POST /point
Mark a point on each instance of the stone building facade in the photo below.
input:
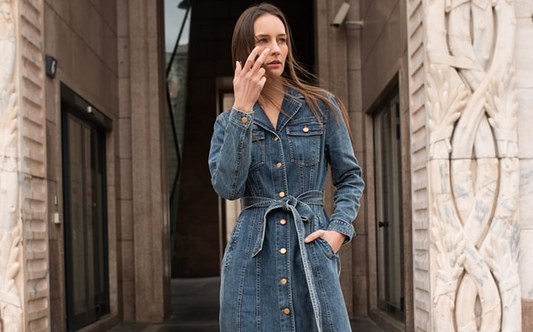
(440, 98)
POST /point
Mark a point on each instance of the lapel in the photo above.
(292, 102)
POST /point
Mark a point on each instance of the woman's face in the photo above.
(269, 32)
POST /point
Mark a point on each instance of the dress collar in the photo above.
(292, 102)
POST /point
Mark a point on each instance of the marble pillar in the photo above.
(24, 280)
(465, 143)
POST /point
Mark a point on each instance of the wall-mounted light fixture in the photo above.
(340, 17)
(51, 66)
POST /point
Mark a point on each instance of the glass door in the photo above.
(85, 232)
(389, 228)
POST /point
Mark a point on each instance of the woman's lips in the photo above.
(274, 64)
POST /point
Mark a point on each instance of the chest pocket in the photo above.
(304, 142)
(258, 149)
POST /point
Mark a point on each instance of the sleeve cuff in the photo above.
(343, 228)
(241, 119)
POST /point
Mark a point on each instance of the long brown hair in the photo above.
(294, 75)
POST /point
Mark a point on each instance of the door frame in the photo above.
(73, 104)
(399, 82)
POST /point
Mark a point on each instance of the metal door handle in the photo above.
(383, 224)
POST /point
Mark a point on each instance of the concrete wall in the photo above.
(82, 36)
(382, 66)
(111, 54)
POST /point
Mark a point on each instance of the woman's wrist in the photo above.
(243, 108)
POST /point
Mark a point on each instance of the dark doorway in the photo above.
(388, 186)
(85, 211)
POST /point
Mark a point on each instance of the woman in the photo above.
(281, 266)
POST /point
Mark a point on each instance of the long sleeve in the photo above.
(346, 175)
(230, 153)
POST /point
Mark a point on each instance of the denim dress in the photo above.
(271, 281)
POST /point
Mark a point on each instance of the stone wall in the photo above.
(418, 141)
(24, 279)
(524, 86)
(469, 82)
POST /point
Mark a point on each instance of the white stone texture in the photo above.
(24, 289)
(470, 137)
(524, 64)
(10, 227)
(419, 155)
(526, 223)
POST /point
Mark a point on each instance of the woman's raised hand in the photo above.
(249, 80)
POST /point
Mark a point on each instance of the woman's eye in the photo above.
(262, 41)
(282, 40)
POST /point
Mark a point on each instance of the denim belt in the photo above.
(301, 211)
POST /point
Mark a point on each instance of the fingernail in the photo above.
(256, 48)
(267, 50)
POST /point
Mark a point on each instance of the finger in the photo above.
(251, 59)
(262, 82)
(313, 236)
(238, 68)
(260, 73)
(259, 62)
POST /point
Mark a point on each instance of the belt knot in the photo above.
(301, 211)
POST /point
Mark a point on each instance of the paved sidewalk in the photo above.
(195, 309)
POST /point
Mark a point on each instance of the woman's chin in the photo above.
(274, 74)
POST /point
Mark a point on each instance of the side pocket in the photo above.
(230, 246)
(324, 245)
(326, 248)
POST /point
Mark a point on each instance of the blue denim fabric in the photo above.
(271, 279)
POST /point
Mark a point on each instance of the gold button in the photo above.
(306, 129)
(281, 194)
(275, 138)
(283, 221)
(286, 311)
(244, 119)
(283, 281)
(283, 251)
(278, 165)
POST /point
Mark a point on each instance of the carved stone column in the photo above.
(24, 289)
(465, 143)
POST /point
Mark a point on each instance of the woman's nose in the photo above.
(274, 47)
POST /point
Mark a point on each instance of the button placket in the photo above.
(283, 260)
(283, 231)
